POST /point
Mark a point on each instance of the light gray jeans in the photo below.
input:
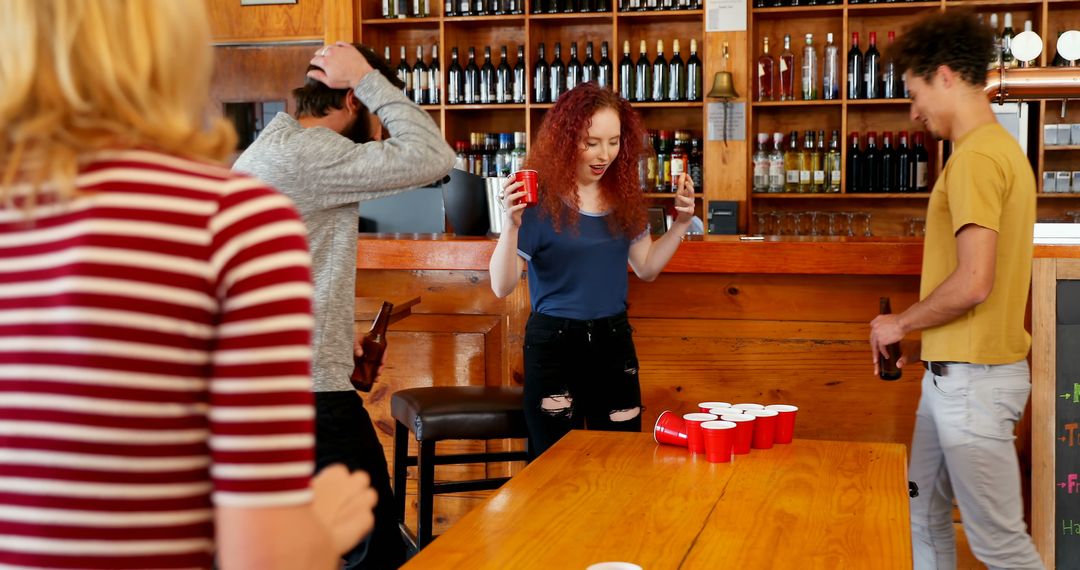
(963, 448)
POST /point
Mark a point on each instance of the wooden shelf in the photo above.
(667, 104)
(1049, 148)
(840, 196)
(798, 103)
(672, 195)
(877, 102)
(660, 13)
(400, 21)
(1058, 194)
(893, 6)
(573, 16)
(486, 107)
(498, 19)
(788, 10)
(1000, 4)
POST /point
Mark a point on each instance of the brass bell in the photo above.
(723, 86)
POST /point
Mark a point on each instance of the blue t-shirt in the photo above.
(575, 275)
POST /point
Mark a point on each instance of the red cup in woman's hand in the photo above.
(531, 185)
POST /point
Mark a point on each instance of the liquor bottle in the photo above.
(464, 8)
(787, 71)
(504, 79)
(1007, 58)
(389, 8)
(761, 164)
(809, 70)
(659, 74)
(663, 161)
(792, 163)
(455, 80)
(676, 75)
(366, 367)
(517, 156)
(403, 7)
(806, 173)
(830, 70)
(626, 73)
(995, 51)
(922, 165)
(503, 155)
(905, 171)
(541, 78)
(386, 55)
(558, 74)
(832, 164)
(872, 174)
(766, 73)
(647, 164)
(586, 6)
(434, 78)
(888, 164)
(680, 163)
(472, 79)
(694, 74)
(817, 163)
(540, 6)
(776, 164)
(603, 5)
(513, 7)
(480, 8)
(404, 73)
(487, 155)
(420, 79)
(487, 79)
(589, 68)
(605, 69)
(643, 75)
(461, 149)
(856, 166)
(573, 68)
(855, 67)
(887, 368)
(873, 69)
(697, 157)
(890, 79)
(518, 77)
(567, 6)
(421, 8)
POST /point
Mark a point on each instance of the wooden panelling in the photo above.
(231, 22)
(258, 74)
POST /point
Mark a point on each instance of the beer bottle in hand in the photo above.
(887, 368)
(366, 367)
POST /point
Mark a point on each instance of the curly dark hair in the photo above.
(315, 99)
(955, 38)
(557, 149)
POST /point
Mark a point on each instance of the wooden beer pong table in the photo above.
(603, 496)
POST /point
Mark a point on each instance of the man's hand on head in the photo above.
(341, 66)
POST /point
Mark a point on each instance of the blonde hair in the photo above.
(78, 76)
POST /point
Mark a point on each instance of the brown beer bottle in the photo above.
(366, 367)
(888, 370)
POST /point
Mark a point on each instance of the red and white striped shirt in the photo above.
(154, 364)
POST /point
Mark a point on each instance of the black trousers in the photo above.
(577, 373)
(344, 434)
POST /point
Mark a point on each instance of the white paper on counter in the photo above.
(725, 15)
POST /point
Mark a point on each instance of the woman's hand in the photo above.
(512, 192)
(684, 199)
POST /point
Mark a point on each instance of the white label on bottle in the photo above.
(804, 177)
(819, 177)
(835, 177)
(922, 176)
(783, 65)
(776, 173)
(793, 176)
(761, 170)
(678, 166)
(760, 70)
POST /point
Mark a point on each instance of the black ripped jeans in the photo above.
(588, 368)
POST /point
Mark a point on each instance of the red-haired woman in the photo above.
(581, 370)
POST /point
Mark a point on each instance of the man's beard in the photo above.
(359, 132)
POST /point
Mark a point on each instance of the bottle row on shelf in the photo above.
(652, 5)
(902, 168)
(1001, 54)
(809, 168)
(491, 154)
(396, 9)
(668, 154)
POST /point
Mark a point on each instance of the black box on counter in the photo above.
(723, 217)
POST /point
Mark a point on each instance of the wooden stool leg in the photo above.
(425, 517)
(401, 455)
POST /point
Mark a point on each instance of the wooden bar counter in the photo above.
(777, 320)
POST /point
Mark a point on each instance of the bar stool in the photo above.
(450, 412)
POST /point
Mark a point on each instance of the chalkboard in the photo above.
(1067, 423)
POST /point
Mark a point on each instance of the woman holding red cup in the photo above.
(581, 369)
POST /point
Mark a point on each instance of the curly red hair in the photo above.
(558, 147)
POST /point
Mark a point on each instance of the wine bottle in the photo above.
(832, 165)
(792, 163)
(905, 170)
(604, 69)
(519, 77)
(776, 164)
(504, 79)
(558, 74)
(472, 79)
(420, 79)
(887, 368)
(697, 159)
(888, 164)
(573, 68)
(806, 168)
(589, 68)
(626, 74)
(676, 75)
(659, 74)
(404, 73)
(787, 71)
(817, 163)
(434, 77)
(366, 367)
(855, 69)
(872, 174)
(541, 78)
(766, 73)
(856, 166)
(890, 80)
(1007, 58)
(643, 75)
(487, 79)
(873, 69)
(455, 80)
(922, 165)
(694, 72)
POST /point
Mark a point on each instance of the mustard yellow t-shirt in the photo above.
(988, 182)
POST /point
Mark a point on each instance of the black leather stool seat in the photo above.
(460, 412)
(450, 412)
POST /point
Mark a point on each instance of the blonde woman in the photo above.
(155, 397)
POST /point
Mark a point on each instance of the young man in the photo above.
(325, 161)
(975, 278)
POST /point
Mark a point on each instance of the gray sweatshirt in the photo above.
(327, 175)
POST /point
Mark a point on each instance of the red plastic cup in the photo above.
(695, 441)
(764, 428)
(748, 407)
(704, 407)
(744, 432)
(670, 429)
(719, 437)
(531, 186)
(785, 422)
